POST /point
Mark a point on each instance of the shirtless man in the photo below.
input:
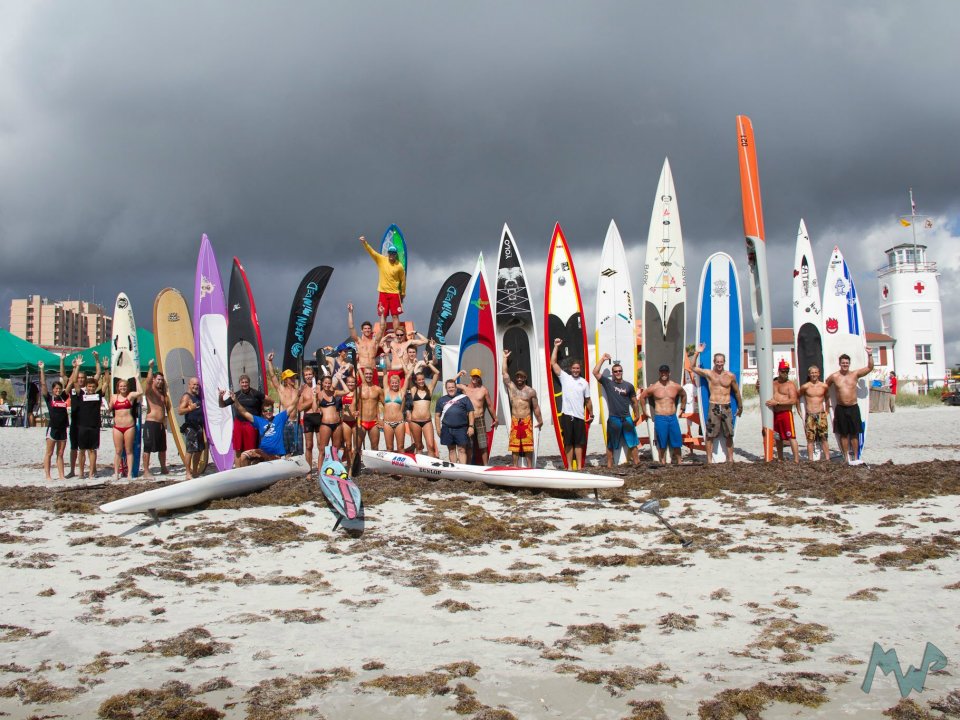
(371, 410)
(290, 395)
(786, 399)
(400, 347)
(368, 344)
(816, 408)
(719, 415)
(392, 283)
(480, 397)
(667, 398)
(523, 405)
(847, 423)
(155, 424)
(312, 417)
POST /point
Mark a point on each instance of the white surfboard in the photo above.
(720, 328)
(216, 376)
(664, 291)
(383, 461)
(125, 365)
(228, 483)
(844, 332)
(807, 308)
(616, 329)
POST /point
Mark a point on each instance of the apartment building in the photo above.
(59, 324)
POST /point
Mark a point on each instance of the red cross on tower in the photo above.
(918, 287)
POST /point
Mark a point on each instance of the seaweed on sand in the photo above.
(750, 702)
(271, 699)
(192, 644)
(39, 691)
(621, 679)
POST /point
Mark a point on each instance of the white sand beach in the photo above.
(483, 603)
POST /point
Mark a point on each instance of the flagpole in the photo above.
(913, 227)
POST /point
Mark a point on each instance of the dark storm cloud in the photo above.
(285, 130)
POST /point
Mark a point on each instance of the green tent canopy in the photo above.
(87, 363)
(19, 357)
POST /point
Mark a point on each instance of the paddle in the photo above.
(357, 439)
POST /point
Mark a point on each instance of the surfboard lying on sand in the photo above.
(228, 483)
(720, 328)
(383, 461)
(478, 341)
(807, 315)
(125, 365)
(341, 492)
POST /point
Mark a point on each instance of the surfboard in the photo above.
(478, 341)
(516, 328)
(383, 461)
(394, 237)
(807, 315)
(341, 492)
(125, 365)
(210, 346)
(174, 343)
(244, 346)
(759, 281)
(845, 333)
(224, 484)
(720, 328)
(616, 329)
(664, 292)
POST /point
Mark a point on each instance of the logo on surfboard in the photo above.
(206, 287)
(833, 325)
(720, 289)
(480, 304)
(841, 288)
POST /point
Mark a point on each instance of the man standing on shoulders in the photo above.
(368, 344)
(721, 384)
(621, 398)
(392, 284)
(194, 440)
(576, 407)
(816, 406)
(523, 405)
(666, 399)
(847, 422)
(480, 398)
(785, 400)
(454, 422)
(155, 424)
(244, 432)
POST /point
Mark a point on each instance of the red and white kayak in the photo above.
(426, 466)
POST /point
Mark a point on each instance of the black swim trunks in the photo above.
(154, 437)
(847, 421)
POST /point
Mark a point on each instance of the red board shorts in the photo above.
(783, 425)
(389, 304)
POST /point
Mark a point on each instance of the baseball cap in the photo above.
(287, 374)
(476, 371)
(664, 368)
(784, 365)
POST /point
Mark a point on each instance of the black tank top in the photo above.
(195, 417)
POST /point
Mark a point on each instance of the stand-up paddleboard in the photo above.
(125, 365)
(478, 342)
(616, 331)
(845, 333)
(445, 308)
(759, 283)
(341, 492)
(174, 343)
(244, 346)
(393, 237)
(516, 329)
(383, 461)
(229, 483)
(210, 331)
(563, 318)
(807, 316)
(303, 311)
(664, 292)
(720, 328)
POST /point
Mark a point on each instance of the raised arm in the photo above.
(98, 372)
(505, 370)
(43, 381)
(694, 368)
(862, 372)
(554, 365)
(73, 375)
(240, 409)
(350, 327)
(272, 374)
(186, 404)
(596, 368)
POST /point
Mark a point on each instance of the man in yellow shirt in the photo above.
(392, 283)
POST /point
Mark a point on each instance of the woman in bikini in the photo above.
(393, 424)
(328, 403)
(419, 419)
(124, 426)
(348, 415)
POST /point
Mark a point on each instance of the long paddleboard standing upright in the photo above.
(807, 315)
(210, 330)
(845, 333)
(125, 365)
(244, 346)
(517, 330)
(616, 330)
(445, 308)
(759, 283)
(174, 343)
(664, 292)
(720, 328)
(303, 311)
(478, 343)
(563, 318)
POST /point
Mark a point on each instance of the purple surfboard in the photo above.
(210, 338)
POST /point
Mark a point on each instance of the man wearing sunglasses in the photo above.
(621, 397)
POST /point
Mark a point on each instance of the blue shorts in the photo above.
(621, 428)
(454, 436)
(667, 430)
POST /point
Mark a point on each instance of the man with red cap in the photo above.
(786, 399)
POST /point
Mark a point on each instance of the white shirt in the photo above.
(575, 393)
(691, 392)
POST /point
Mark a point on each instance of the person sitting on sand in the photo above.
(155, 423)
(123, 404)
(621, 397)
(58, 421)
(816, 408)
(785, 400)
(666, 398)
(719, 416)
(194, 440)
(454, 422)
(577, 409)
(847, 423)
(391, 284)
(269, 427)
(524, 406)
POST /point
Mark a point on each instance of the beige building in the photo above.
(67, 324)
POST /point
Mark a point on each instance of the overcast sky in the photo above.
(284, 130)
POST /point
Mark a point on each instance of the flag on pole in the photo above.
(905, 223)
(928, 224)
